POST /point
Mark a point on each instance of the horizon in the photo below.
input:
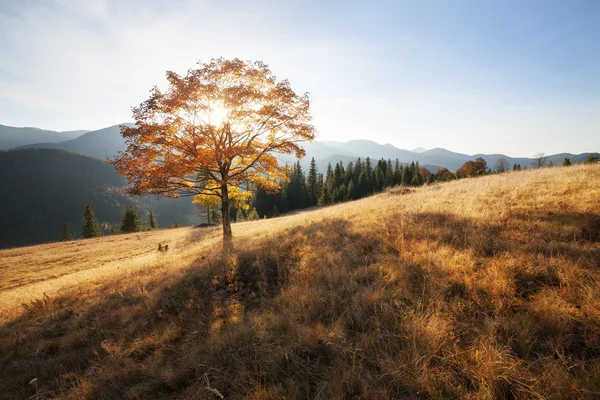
(500, 77)
(325, 141)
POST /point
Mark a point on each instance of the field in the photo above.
(482, 288)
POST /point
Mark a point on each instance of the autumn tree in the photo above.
(443, 175)
(211, 131)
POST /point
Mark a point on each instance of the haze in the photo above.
(513, 77)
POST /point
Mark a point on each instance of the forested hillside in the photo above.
(42, 189)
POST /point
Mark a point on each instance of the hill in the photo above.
(11, 137)
(478, 288)
(102, 144)
(45, 188)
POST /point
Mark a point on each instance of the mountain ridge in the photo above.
(107, 142)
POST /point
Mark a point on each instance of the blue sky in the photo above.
(513, 77)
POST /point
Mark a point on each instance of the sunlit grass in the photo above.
(479, 288)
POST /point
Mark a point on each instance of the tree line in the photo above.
(338, 184)
(131, 221)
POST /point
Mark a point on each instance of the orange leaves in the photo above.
(178, 148)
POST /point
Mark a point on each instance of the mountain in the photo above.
(11, 137)
(108, 142)
(75, 134)
(45, 188)
(101, 144)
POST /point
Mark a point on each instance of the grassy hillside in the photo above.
(475, 289)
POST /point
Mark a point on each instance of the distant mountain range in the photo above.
(11, 137)
(107, 142)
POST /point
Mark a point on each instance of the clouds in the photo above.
(392, 71)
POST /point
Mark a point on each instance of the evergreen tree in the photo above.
(379, 179)
(91, 228)
(351, 195)
(311, 184)
(175, 224)
(65, 233)
(325, 198)
(320, 184)
(363, 185)
(370, 177)
(566, 162)
(130, 221)
(240, 215)
(151, 224)
(252, 215)
(592, 158)
(406, 175)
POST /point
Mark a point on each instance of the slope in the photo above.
(46, 188)
(14, 137)
(102, 144)
(479, 288)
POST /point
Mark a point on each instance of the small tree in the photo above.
(91, 227)
(151, 225)
(566, 162)
(443, 175)
(130, 221)
(592, 158)
(65, 233)
(501, 165)
(540, 161)
(175, 224)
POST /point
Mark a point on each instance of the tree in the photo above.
(501, 165)
(90, 228)
(212, 130)
(65, 233)
(566, 162)
(311, 184)
(539, 161)
(175, 224)
(151, 225)
(443, 175)
(592, 158)
(130, 221)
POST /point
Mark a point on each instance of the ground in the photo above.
(478, 288)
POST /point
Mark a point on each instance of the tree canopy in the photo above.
(218, 127)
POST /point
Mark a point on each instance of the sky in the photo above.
(473, 76)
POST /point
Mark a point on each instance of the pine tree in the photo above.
(240, 215)
(325, 198)
(252, 215)
(130, 221)
(151, 225)
(351, 195)
(311, 184)
(91, 228)
(175, 224)
(65, 233)
(566, 162)
(363, 185)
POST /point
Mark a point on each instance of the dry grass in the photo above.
(480, 288)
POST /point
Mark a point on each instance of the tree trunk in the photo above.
(227, 234)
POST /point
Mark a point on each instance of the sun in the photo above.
(217, 114)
